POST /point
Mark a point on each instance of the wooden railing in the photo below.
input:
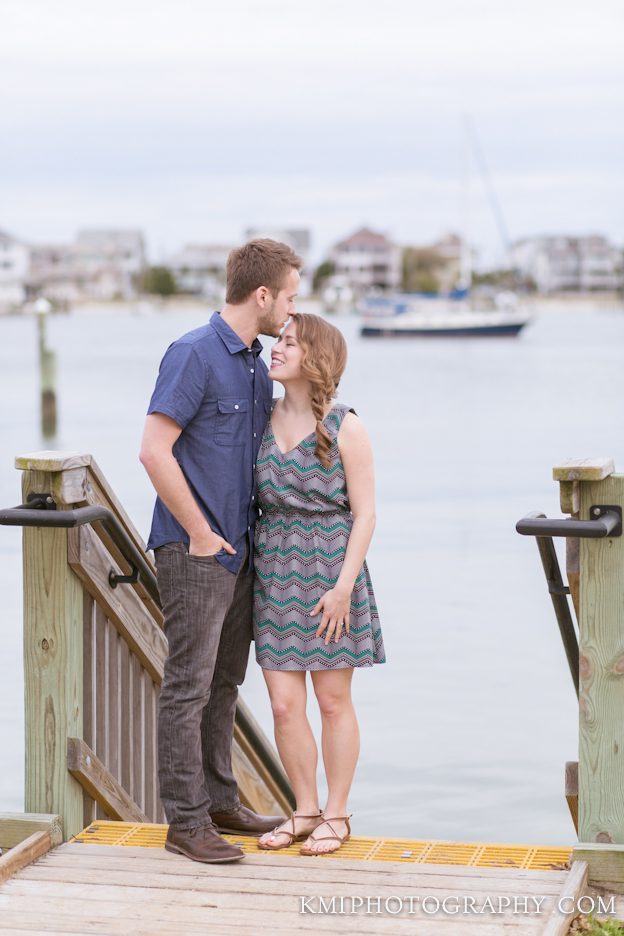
(93, 664)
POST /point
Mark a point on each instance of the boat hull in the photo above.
(388, 330)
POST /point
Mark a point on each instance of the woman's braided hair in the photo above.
(323, 363)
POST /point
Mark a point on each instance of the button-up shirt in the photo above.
(217, 390)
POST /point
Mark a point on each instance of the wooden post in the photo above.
(601, 701)
(601, 645)
(47, 371)
(94, 660)
(53, 651)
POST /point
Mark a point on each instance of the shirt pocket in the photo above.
(232, 421)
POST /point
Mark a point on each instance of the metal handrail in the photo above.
(40, 511)
(607, 522)
(558, 592)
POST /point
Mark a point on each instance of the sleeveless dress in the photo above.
(300, 543)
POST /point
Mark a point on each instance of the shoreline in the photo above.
(152, 305)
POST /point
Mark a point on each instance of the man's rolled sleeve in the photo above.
(181, 384)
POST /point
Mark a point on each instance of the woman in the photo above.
(314, 607)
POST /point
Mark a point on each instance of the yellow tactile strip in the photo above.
(468, 854)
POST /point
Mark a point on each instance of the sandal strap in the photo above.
(290, 835)
(293, 835)
(335, 836)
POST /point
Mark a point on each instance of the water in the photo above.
(466, 729)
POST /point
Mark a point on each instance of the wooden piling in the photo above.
(47, 373)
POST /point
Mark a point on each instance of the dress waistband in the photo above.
(298, 511)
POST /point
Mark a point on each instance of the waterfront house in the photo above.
(52, 273)
(199, 269)
(570, 264)
(100, 265)
(110, 262)
(367, 260)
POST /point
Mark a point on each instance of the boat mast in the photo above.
(465, 256)
(489, 187)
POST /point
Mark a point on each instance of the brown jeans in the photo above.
(208, 623)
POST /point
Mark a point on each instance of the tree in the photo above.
(421, 268)
(159, 281)
(321, 274)
(504, 279)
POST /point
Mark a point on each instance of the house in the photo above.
(14, 261)
(52, 273)
(199, 269)
(565, 264)
(109, 262)
(100, 264)
(366, 260)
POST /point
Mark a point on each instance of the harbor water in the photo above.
(466, 728)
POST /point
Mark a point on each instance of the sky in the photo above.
(194, 120)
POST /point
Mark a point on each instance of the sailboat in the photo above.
(453, 316)
(458, 314)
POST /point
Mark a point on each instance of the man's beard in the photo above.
(268, 325)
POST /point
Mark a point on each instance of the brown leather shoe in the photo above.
(245, 822)
(202, 844)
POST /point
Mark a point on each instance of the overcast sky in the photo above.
(195, 119)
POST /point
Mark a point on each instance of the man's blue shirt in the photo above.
(217, 390)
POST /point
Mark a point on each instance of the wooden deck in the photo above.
(104, 889)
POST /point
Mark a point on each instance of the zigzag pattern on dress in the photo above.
(303, 627)
(301, 541)
(300, 470)
(315, 659)
(298, 578)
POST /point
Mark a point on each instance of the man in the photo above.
(202, 434)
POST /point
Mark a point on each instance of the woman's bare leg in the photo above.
(296, 745)
(341, 747)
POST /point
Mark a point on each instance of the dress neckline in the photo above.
(301, 441)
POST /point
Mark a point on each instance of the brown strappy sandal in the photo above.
(321, 838)
(292, 836)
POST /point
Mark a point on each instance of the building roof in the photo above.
(365, 238)
(107, 238)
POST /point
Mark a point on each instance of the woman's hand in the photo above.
(335, 605)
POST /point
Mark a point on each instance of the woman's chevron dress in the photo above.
(301, 540)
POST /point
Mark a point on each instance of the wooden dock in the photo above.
(94, 655)
(112, 889)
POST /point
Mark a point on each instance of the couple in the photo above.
(216, 448)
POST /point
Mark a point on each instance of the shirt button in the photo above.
(251, 370)
(254, 464)
(254, 435)
(249, 528)
(255, 402)
(236, 406)
(253, 497)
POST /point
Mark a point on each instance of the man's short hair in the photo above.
(260, 262)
